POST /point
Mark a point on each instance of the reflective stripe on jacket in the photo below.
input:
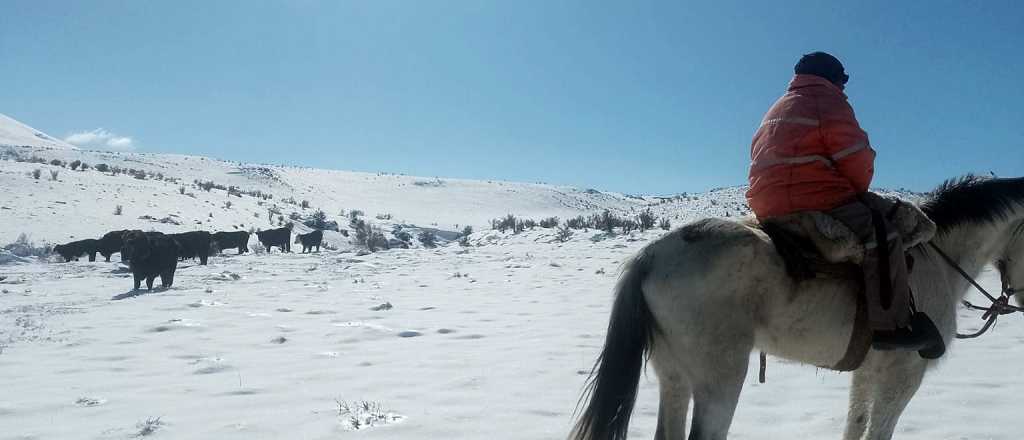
(809, 154)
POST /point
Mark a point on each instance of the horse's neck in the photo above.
(972, 247)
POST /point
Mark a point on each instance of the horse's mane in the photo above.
(973, 199)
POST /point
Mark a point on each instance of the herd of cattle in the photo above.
(152, 254)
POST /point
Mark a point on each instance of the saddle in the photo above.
(813, 244)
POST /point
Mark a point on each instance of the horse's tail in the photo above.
(611, 389)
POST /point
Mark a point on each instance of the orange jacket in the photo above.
(810, 153)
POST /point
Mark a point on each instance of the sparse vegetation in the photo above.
(401, 235)
(102, 167)
(53, 175)
(36, 173)
(24, 247)
(664, 223)
(57, 163)
(646, 220)
(363, 414)
(304, 204)
(464, 236)
(118, 210)
(564, 234)
(577, 222)
(148, 427)
(550, 222)
(75, 164)
(428, 239)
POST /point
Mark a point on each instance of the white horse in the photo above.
(699, 300)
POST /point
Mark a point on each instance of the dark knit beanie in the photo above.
(823, 65)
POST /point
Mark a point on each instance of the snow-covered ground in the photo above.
(492, 340)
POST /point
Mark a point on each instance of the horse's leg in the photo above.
(716, 375)
(674, 394)
(893, 378)
(860, 406)
(884, 385)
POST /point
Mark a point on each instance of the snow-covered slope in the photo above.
(152, 187)
(13, 132)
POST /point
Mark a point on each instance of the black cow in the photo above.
(75, 249)
(151, 254)
(111, 243)
(310, 240)
(280, 237)
(230, 240)
(193, 244)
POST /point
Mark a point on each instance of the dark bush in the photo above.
(646, 219)
(549, 222)
(577, 222)
(428, 239)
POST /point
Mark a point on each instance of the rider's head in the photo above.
(823, 65)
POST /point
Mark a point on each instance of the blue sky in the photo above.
(637, 97)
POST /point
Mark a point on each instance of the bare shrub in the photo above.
(148, 427)
(25, 247)
(577, 222)
(664, 223)
(118, 209)
(646, 219)
(505, 223)
(464, 236)
(75, 164)
(549, 222)
(36, 173)
(428, 239)
(377, 241)
(564, 234)
(53, 175)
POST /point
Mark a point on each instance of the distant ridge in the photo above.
(14, 133)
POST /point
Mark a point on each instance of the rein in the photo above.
(1000, 306)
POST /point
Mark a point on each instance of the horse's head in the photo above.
(1011, 262)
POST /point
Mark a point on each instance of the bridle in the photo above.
(1000, 306)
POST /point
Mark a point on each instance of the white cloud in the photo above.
(101, 139)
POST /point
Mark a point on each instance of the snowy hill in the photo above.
(151, 188)
(14, 133)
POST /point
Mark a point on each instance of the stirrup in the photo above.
(921, 336)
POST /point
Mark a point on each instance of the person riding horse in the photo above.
(810, 154)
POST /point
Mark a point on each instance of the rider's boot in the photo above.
(921, 336)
